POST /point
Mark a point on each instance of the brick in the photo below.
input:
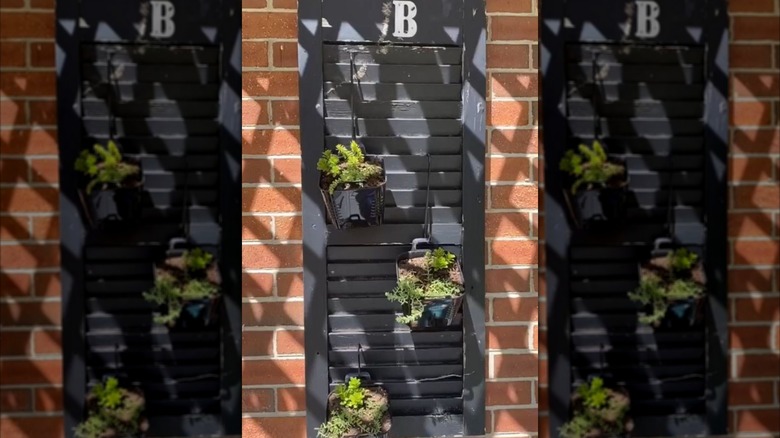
(25, 313)
(514, 28)
(285, 54)
(515, 365)
(48, 399)
(272, 314)
(507, 225)
(14, 228)
(289, 342)
(750, 56)
(504, 337)
(45, 170)
(29, 200)
(15, 285)
(24, 427)
(257, 343)
(254, 53)
(744, 338)
(34, 84)
(757, 309)
(273, 372)
(257, 400)
(508, 393)
(507, 56)
(15, 400)
(42, 4)
(767, 197)
(253, 4)
(750, 280)
(751, 393)
(751, 140)
(756, 421)
(46, 228)
(508, 280)
(754, 169)
(526, 197)
(516, 6)
(288, 227)
(284, 112)
(508, 114)
(516, 420)
(269, 25)
(24, 372)
(751, 6)
(513, 252)
(272, 256)
(257, 285)
(281, 84)
(255, 170)
(47, 342)
(524, 309)
(269, 200)
(750, 224)
(42, 54)
(757, 365)
(43, 112)
(26, 25)
(285, 4)
(30, 256)
(509, 169)
(254, 112)
(289, 284)
(514, 85)
(15, 343)
(514, 141)
(11, 4)
(287, 170)
(757, 252)
(291, 399)
(755, 85)
(271, 427)
(755, 28)
(20, 142)
(751, 113)
(12, 112)
(271, 142)
(47, 285)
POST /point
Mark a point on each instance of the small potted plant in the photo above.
(353, 186)
(113, 412)
(357, 410)
(598, 412)
(186, 289)
(113, 184)
(671, 288)
(598, 185)
(430, 288)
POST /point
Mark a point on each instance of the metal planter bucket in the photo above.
(363, 207)
(116, 207)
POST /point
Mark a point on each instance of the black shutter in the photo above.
(171, 107)
(410, 99)
(659, 104)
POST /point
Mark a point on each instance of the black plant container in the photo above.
(594, 208)
(116, 207)
(437, 313)
(363, 207)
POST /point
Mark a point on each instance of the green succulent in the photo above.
(598, 412)
(439, 259)
(115, 409)
(347, 168)
(683, 260)
(355, 412)
(590, 166)
(105, 167)
(659, 295)
(173, 294)
(197, 259)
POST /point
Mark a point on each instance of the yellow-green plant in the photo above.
(439, 259)
(347, 168)
(355, 412)
(114, 412)
(598, 412)
(658, 295)
(590, 167)
(682, 260)
(105, 167)
(197, 260)
(173, 295)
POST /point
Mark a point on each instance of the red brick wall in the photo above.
(273, 400)
(30, 358)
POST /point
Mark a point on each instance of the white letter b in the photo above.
(162, 18)
(405, 26)
(647, 24)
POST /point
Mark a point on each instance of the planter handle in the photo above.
(419, 241)
(177, 243)
(661, 246)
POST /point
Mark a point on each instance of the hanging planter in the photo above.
(186, 288)
(430, 287)
(357, 409)
(113, 412)
(113, 186)
(353, 186)
(597, 194)
(598, 412)
(671, 287)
